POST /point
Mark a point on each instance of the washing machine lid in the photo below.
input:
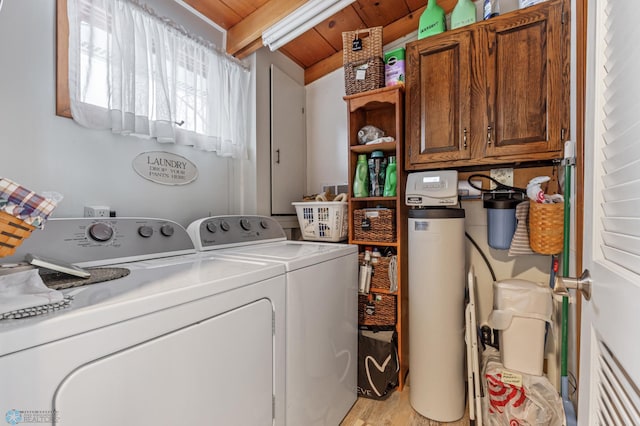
(152, 285)
(293, 254)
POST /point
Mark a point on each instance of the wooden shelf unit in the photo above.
(384, 108)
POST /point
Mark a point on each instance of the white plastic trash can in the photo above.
(521, 309)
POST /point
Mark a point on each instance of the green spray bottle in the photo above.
(432, 20)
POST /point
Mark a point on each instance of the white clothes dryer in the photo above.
(321, 310)
(185, 338)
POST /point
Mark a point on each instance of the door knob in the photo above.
(561, 285)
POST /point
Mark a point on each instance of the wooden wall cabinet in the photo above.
(383, 108)
(492, 92)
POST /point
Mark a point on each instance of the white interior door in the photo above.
(610, 343)
(288, 142)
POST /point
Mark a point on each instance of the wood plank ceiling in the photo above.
(319, 50)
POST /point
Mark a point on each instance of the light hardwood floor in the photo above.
(394, 411)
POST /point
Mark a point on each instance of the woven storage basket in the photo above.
(374, 225)
(371, 44)
(13, 232)
(361, 76)
(546, 227)
(380, 310)
(380, 271)
(364, 68)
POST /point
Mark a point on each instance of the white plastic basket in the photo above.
(323, 220)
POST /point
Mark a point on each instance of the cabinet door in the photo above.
(438, 99)
(288, 142)
(524, 83)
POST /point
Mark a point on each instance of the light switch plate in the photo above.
(504, 176)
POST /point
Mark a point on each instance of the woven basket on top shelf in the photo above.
(546, 223)
(13, 232)
(364, 68)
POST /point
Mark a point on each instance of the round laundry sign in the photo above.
(165, 168)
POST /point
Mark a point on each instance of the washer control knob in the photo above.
(100, 232)
(224, 225)
(211, 227)
(245, 224)
(167, 230)
(264, 223)
(145, 231)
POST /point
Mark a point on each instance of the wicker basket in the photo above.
(371, 44)
(364, 68)
(13, 232)
(380, 271)
(361, 76)
(546, 227)
(376, 309)
(377, 225)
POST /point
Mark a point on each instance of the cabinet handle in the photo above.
(277, 156)
(464, 138)
(488, 135)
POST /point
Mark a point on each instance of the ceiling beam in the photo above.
(242, 37)
(390, 33)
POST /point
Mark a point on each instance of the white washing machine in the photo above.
(185, 338)
(321, 311)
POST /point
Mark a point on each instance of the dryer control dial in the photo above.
(245, 224)
(145, 231)
(167, 230)
(224, 225)
(264, 224)
(100, 232)
(211, 227)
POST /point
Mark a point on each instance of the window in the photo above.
(135, 73)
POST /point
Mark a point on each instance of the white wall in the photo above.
(46, 152)
(327, 128)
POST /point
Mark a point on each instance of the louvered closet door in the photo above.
(610, 346)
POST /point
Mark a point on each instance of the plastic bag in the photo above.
(516, 399)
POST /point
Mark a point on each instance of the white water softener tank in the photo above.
(436, 297)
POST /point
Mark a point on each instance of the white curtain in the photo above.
(135, 73)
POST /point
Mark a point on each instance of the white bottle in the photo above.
(491, 9)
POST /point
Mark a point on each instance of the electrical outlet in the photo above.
(504, 176)
(96, 211)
